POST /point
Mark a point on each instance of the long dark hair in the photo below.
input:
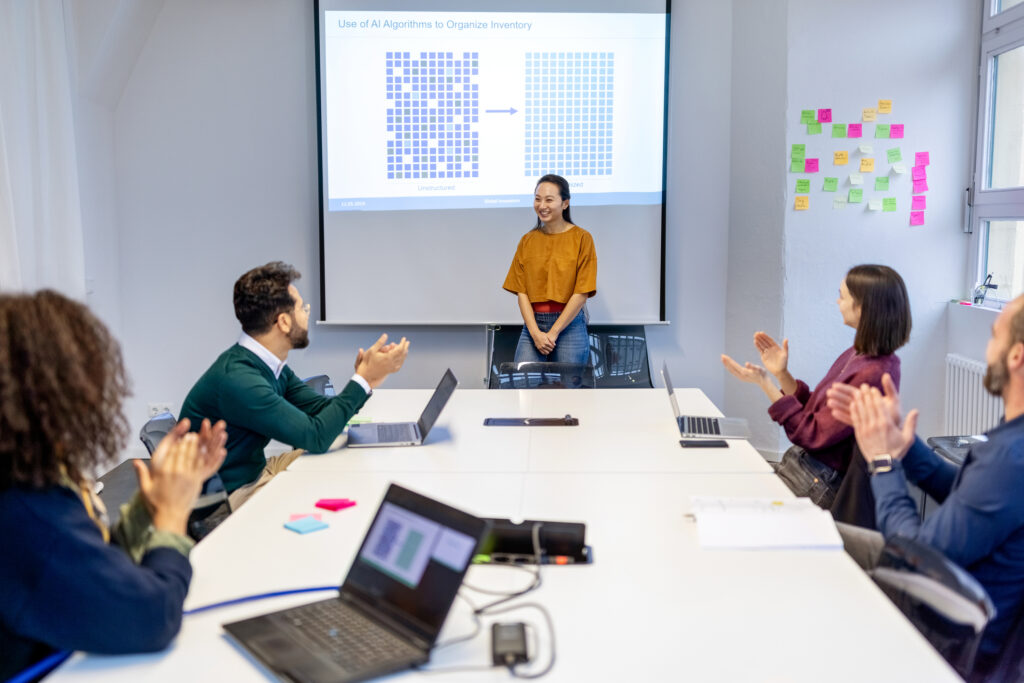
(61, 387)
(563, 192)
(884, 309)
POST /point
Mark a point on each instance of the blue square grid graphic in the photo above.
(568, 113)
(433, 115)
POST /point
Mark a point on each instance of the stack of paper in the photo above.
(756, 523)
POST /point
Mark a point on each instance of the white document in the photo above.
(763, 523)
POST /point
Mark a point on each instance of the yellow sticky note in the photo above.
(867, 165)
(870, 114)
(884, 106)
(802, 203)
(840, 158)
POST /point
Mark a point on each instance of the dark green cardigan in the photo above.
(240, 389)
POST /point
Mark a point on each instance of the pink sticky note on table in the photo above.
(854, 130)
(335, 504)
(919, 173)
(299, 515)
(918, 202)
(896, 130)
(921, 159)
(824, 115)
(920, 186)
(810, 165)
(917, 217)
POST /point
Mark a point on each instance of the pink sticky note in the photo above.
(810, 165)
(920, 186)
(918, 203)
(896, 130)
(299, 515)
(921, 159)
(335, 504)
(854, 130)
(824, 115)
(919, 173)
(917, 217)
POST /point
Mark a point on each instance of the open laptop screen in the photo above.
(413, 559)
(437, 402)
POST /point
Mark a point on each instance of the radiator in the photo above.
(969, 408)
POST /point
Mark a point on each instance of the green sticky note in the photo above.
(803, 185)
(360, 420)
(882, 184)
(796, 166)
(798, 152)
(856, 195)
(882, 130)
(893, 155)
(839, 130)
(807, 116)
(814, 129)
(889, 204)
(831, 184)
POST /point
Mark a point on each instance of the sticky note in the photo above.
(867, 165)
(896, 130)
(900, 168)
(810, 165)
(839, 203)
(854, 130)
(875, 205)
(305, 525)
(866, 149)
(884, 106)
(889, 204)
(855, 196)
(824, 116)
(802, 203)
(803, 185)
(856, 179)
(299, 515)
(893, 155)
(922, 159)
(839, 130)
(797, 152)
(335, 504)
(882, 184)
(831, 185)
(918, 202)
(807, 116)
(919, 173)
(796, 166)
(869, 114)
(920, 186)
(814, 129)
(840, 158)
(882, 130)
(917, 217)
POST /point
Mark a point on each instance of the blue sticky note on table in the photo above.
(304, 525)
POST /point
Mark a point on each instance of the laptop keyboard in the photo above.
(387, 433)
(701, 425)
(353, 641)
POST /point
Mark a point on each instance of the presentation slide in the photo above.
(454, 110)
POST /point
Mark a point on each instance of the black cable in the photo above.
(551, 629)
(535, 535)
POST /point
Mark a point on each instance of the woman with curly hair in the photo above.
(63, 583)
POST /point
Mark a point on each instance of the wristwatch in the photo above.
(880, 463)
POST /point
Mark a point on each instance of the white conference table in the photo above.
(653, 606)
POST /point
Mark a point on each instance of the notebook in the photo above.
(700, 427)
(405, 433)
(391, 606)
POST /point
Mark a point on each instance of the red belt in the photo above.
(548, 307)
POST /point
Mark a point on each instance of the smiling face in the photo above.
(548, 203)
(848, 306)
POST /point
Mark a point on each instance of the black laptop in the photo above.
(391, 606)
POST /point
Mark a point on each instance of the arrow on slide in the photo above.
(509, 111)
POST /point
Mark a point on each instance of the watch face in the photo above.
(882, 463)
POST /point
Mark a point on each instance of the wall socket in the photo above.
(155, 409)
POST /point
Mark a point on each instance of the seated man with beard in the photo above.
(252, 389)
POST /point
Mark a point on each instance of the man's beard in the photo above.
(298, 337)
(996, 376)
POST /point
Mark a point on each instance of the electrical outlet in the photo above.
(157, 408)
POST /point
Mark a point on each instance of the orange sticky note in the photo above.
(802, 203)
(870, 114)
(840, 158)
(884, 106)
(867, 165)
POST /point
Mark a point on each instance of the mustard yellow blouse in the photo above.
(554, 267)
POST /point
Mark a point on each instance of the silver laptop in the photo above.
(405, 433)
(701, 427)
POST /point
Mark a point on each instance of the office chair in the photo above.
(619, 356)
(321, 384)
(946, 604)
(530, 375)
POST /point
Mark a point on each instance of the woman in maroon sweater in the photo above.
(873, 300)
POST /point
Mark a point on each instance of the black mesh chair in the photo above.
(321, 384)
(619, 355)
(545, 376)
(1009, 666)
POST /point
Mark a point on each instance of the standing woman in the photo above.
(553, 272)
(872, 300)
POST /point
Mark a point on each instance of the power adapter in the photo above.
(508, 644)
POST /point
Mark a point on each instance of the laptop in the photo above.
(700, 427)
(405, 433)
(391, 606)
